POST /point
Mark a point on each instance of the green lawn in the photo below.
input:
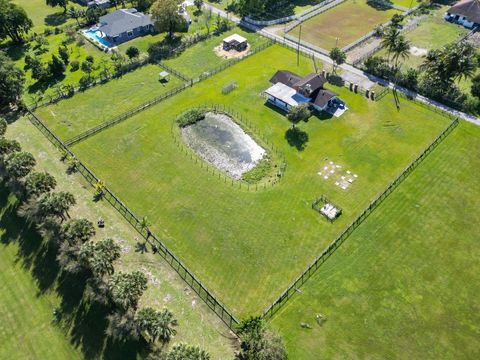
(27, 330)
(85, 324)
(431, 33)
(299, 6)
(44, 16)
(342, 24)
(201, 57)
(405, 285)
(87, 109)
(247, 246)
(78, 53)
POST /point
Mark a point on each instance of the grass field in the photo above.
(85, 325)
(405, 285)
(43, 15)
(229, 237)
(87, 109)
(201, 57)
(346, 22)
(78, 53)
(27, 330)
(431, 33)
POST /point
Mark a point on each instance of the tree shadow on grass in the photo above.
(382, 5)
(55, 19)
(297, 138)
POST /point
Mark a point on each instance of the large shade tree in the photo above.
(166, 17)
(60, 3)
(14, 22)
(11, 81)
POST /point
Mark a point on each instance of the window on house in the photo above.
(129, 33)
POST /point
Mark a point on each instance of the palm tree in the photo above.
(158, 325)
(389, 40)
(55, 205)
(126, 289)
(100, 256)
(184, 351)
(19, 165)
(38, 184)
(401, 49)
(166, 324)
(8, 147)
(122, 326)
(77, 231)
(144, 225)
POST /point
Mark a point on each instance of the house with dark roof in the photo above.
(123, 25)
(290, 90)
(466, 13)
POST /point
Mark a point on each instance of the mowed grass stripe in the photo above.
(248, 246)
(342, 24)
(405, 283)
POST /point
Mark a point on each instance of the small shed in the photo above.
(164, 76)
(235, 42)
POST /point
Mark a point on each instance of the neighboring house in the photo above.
(465, 12)
(125, 24)
(290, 90)
(102, 4)
(235, 42)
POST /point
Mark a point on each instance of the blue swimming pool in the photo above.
(96, 35)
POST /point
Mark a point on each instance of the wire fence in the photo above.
(232, 62)
(306, 274)
(207, 296)
(95, 130)
(269, 181)
(69, 90)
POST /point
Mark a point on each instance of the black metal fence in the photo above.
(267, 182)
(305, 275)
(212, 302)
(175, 72)
(90, 132)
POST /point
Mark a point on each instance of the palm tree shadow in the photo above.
(141, 247)
(55, 19)
(296, 138)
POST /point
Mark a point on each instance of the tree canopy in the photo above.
(11, 81)
(166, 17)
(14, 22)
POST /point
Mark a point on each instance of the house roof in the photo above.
(470, 9)
(120, 21)
(292, 80)
(235, 38)
(286, 94)
(315, 81)
(285, 77)
(323, 97)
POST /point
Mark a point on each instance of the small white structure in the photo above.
(465, 12)
(164, 76)
(235, 42)
(330, 211)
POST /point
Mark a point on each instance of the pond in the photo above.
(220, 141)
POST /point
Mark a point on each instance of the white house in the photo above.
(465, 12)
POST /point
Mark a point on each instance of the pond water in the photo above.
(221, 142)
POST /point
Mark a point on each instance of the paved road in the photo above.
(345, 67)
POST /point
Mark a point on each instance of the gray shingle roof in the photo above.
(120, 21)
(468, 8)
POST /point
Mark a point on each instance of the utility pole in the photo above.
(298, 48)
